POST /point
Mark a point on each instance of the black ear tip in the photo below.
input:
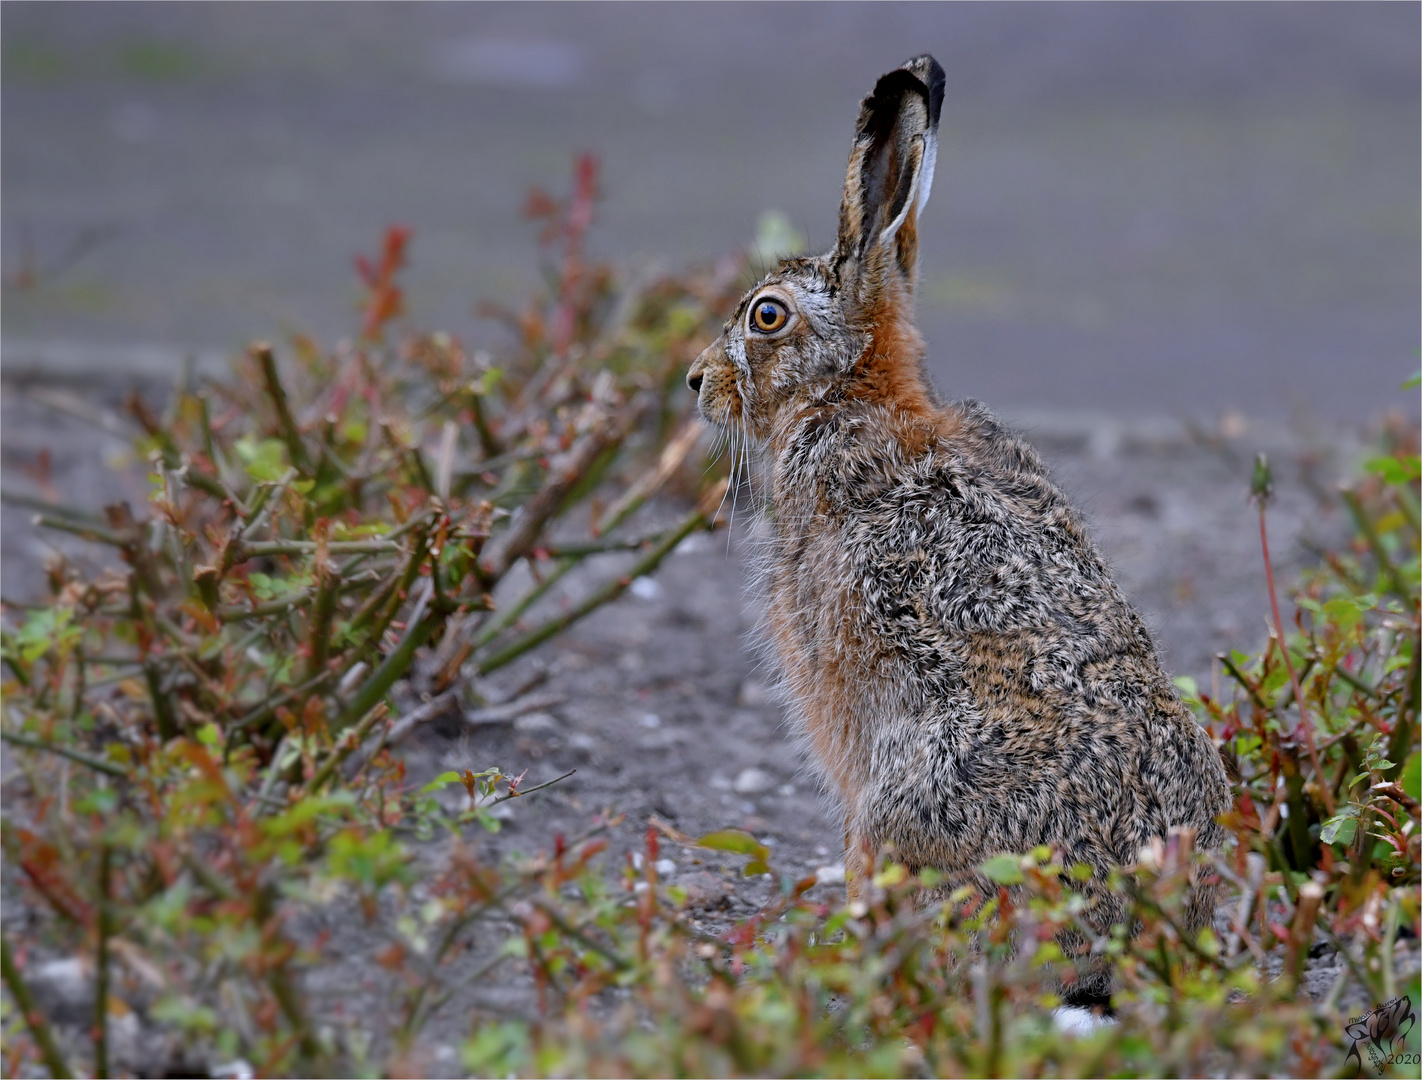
(930, 72)
(922, 74)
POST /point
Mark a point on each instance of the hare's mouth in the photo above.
(724, 414)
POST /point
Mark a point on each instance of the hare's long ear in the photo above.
(890, 174)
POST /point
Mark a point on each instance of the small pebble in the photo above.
(830, 875)
(753, 781)
(644, 588)
(536, 722)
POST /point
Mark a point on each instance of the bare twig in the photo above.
(29, 1009)
(529, 791)
(604, 426)
(291, 434)
(512, 710)
(105, 922)
(347, 744)
(701, 517)
(88, 760)
(33, 502)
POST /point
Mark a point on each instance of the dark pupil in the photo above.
(767, 313)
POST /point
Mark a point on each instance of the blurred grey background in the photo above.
(1165, 209)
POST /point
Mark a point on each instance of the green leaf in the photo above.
(1341, 827)
(1003, 869)
(444, 779)
(1414, 382)
(742, 843)
(264, 459)
(304, 811)
(486, 382)
(45, 629)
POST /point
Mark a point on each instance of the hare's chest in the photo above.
(830, 660)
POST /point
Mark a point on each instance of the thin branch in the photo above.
(34, 1018)
(105, 929)
(32, 502)
(701, 517)
(96, 533)
(291, 434)
(530, 791)
(91, 762)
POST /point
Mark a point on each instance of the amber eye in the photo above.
(768, 316)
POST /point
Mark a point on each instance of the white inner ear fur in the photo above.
(925, 177)
(925, 154)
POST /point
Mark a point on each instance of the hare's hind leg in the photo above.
(858, 862)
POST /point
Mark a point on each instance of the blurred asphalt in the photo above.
(1140, 209)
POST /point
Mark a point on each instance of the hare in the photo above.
(966, 674)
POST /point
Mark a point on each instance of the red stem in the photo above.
(1304, 721)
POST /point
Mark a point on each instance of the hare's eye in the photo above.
(769, 316)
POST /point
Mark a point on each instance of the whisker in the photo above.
(738, 462)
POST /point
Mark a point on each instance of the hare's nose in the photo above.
(693, 380)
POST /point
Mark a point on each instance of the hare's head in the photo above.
(839, 326)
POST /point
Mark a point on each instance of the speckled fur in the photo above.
(967, 675)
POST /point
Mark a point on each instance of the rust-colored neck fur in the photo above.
(890, 374)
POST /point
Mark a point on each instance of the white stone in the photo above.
(753, 781)
(645, 588)
(830, 875)
(536, 722)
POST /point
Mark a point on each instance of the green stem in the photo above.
(96, 533)
(319, 638)
(347, 745)
(1355, 682)
(390, 669)
(597, 547)
(487, 442)
(1370, 534)
(698, 518)
(162, 707)
(1243, 680)
(291, 434)
(31, 502)
(34, 1019)
(1401, 742)
(63, 751)
(101, 963)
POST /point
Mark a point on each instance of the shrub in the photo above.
(204, 741)
(205, 735)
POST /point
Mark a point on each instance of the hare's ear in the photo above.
(890, 174)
